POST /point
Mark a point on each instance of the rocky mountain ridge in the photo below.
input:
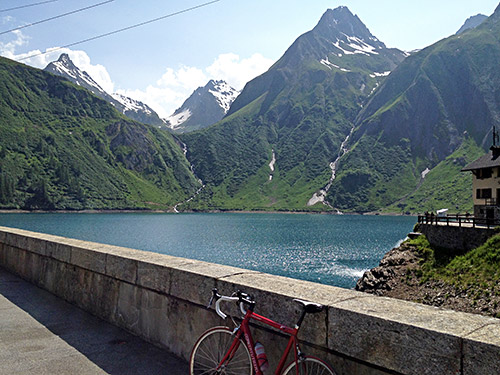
(472, 23)
(131, 108)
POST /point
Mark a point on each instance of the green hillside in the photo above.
(63, 148)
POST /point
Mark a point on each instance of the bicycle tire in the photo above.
(308, 366)
(211, 348)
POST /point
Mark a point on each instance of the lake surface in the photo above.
(328, 249)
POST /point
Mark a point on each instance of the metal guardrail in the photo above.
(458, 220)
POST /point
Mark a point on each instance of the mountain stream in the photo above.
(185, 150)
(320, 196)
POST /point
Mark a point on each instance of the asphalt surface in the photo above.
(42, 334)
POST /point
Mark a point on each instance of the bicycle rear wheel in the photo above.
(310, 366)
(211, 348)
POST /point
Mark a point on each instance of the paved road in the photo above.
(42, 334)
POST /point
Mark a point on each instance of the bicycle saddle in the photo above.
(310, 307)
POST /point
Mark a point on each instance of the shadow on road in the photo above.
(74, 338)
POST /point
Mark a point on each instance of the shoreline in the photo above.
(117, 211)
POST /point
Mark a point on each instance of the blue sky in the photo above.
(163, 62)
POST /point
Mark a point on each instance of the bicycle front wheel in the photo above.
(210, 350)
(310, 366)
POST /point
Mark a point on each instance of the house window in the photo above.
(485, 173)
(483, 193)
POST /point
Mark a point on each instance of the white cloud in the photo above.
(175, 86)
(7, 19)
(188, 78)
(8, 49)
(168, 92)
(238, 72)
(164, 100)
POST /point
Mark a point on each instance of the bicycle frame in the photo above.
(244, 330)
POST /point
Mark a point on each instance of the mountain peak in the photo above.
(64, 58)
(472, 23)
(339, 25)
(65, 67)
(206, 106)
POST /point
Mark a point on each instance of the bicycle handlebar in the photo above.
(240, 298)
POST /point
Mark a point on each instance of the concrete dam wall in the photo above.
(163, 300)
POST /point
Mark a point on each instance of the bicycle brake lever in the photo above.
(210, 302)
(214, 294)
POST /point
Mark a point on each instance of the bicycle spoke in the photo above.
(309, 366)
(213, 347)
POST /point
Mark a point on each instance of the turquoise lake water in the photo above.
(328, 249)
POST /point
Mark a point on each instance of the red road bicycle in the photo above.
(222, 351)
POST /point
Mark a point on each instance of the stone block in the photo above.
(183, 324)
(37, 245)
(38, 268)
(392, 333)
(59, 251)
(152, 315)
(103, 295)
(481, 350)
(18, 261)
(155, 271)
(154, 277)
(61, 279)
(194, 280)
(88, 259)
(121, 268)
(7, 257)
(14, 239)
(128, 307)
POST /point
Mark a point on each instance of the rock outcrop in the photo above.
(399, 275)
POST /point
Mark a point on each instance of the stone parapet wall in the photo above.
(162, 299)
(455, 237)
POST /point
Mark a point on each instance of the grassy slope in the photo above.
(474, 275)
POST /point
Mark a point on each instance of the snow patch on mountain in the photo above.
(224, 94)
(65, 67)
(352, 45)
(178, 119)
(271, 165)
(130, 104)
(424, 173)
(383, 74)
(330, 65)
